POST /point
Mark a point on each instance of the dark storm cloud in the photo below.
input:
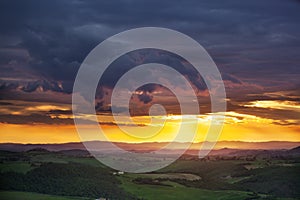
(255, 44)
(33, 119)
(58, 112)
(32, 86)
(145, 98)
(59, 34)
(138, 57)
(102, 108)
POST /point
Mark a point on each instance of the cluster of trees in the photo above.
(72, 179)
(276, 180)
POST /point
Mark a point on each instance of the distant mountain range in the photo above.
(222, 146)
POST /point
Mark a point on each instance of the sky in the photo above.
(255, 44)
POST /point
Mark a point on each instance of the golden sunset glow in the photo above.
(283, 105)
(237, 127)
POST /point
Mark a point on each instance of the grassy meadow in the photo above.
(41, 174)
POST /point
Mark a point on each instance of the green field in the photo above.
(177, 191)
(20, 167)
(12, 195)
(55, 175)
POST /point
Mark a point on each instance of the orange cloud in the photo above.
(237, 127)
